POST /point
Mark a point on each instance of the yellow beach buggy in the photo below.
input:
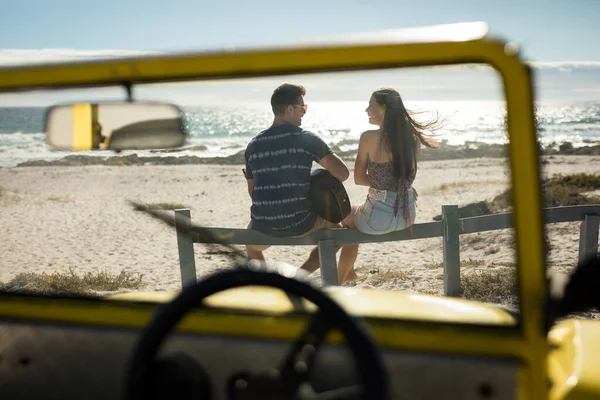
(265, 333)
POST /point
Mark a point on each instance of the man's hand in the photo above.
(335, 166)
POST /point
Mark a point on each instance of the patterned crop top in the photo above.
(381, 177)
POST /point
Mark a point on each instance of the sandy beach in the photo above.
(61, 218)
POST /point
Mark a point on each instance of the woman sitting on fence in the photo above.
(387, 163)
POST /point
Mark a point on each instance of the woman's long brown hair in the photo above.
(402, 134)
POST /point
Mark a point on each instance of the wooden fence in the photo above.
(450, 228)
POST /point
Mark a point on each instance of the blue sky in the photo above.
(548, 30)
(559, 33)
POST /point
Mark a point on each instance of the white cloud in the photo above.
(567, 65)
(14, 57)
(447, 32)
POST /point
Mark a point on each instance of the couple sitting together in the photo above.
(278, 171)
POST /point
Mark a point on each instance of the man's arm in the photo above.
(250, 186)
(249, 181)
(336, 166)
(324, 155)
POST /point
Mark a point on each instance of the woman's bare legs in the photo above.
(349, 253)
(254, 254)
(346, 265)
(347, 257)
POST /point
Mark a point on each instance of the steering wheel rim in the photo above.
(371, 371)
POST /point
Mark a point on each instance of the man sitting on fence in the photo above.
(278, 167)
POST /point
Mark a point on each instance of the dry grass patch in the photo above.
(163, 206)
(492, 250)
(470, 263)
(561, 190)
(582, 181)
(60, 199)
(491, 286)
(72, 283)
(471, 238)
(376, 277)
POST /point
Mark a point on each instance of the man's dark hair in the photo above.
(285, 95)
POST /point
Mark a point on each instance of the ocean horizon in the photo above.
(220, 131)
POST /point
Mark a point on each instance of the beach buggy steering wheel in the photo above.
(289, 380)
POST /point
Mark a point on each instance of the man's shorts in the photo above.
(319, 224)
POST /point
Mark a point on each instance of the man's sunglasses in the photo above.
(304, 106)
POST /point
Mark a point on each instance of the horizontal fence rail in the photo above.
(449, 228)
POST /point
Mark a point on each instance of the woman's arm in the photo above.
(360, 165)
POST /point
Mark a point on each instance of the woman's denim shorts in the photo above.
(376, 215)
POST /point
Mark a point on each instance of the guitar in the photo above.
(328, 195)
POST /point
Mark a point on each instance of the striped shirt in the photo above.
(279, 160)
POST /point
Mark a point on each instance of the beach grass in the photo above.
(470, 263)
(491, 286)
(163, 206)
(71, 283)
(558, 191)
(387, 276)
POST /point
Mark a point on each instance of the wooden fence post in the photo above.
(450, 233)
(588, 238)
(329, 272)
(185, 245)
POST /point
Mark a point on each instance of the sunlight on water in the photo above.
(334, 121)
(223, 130)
